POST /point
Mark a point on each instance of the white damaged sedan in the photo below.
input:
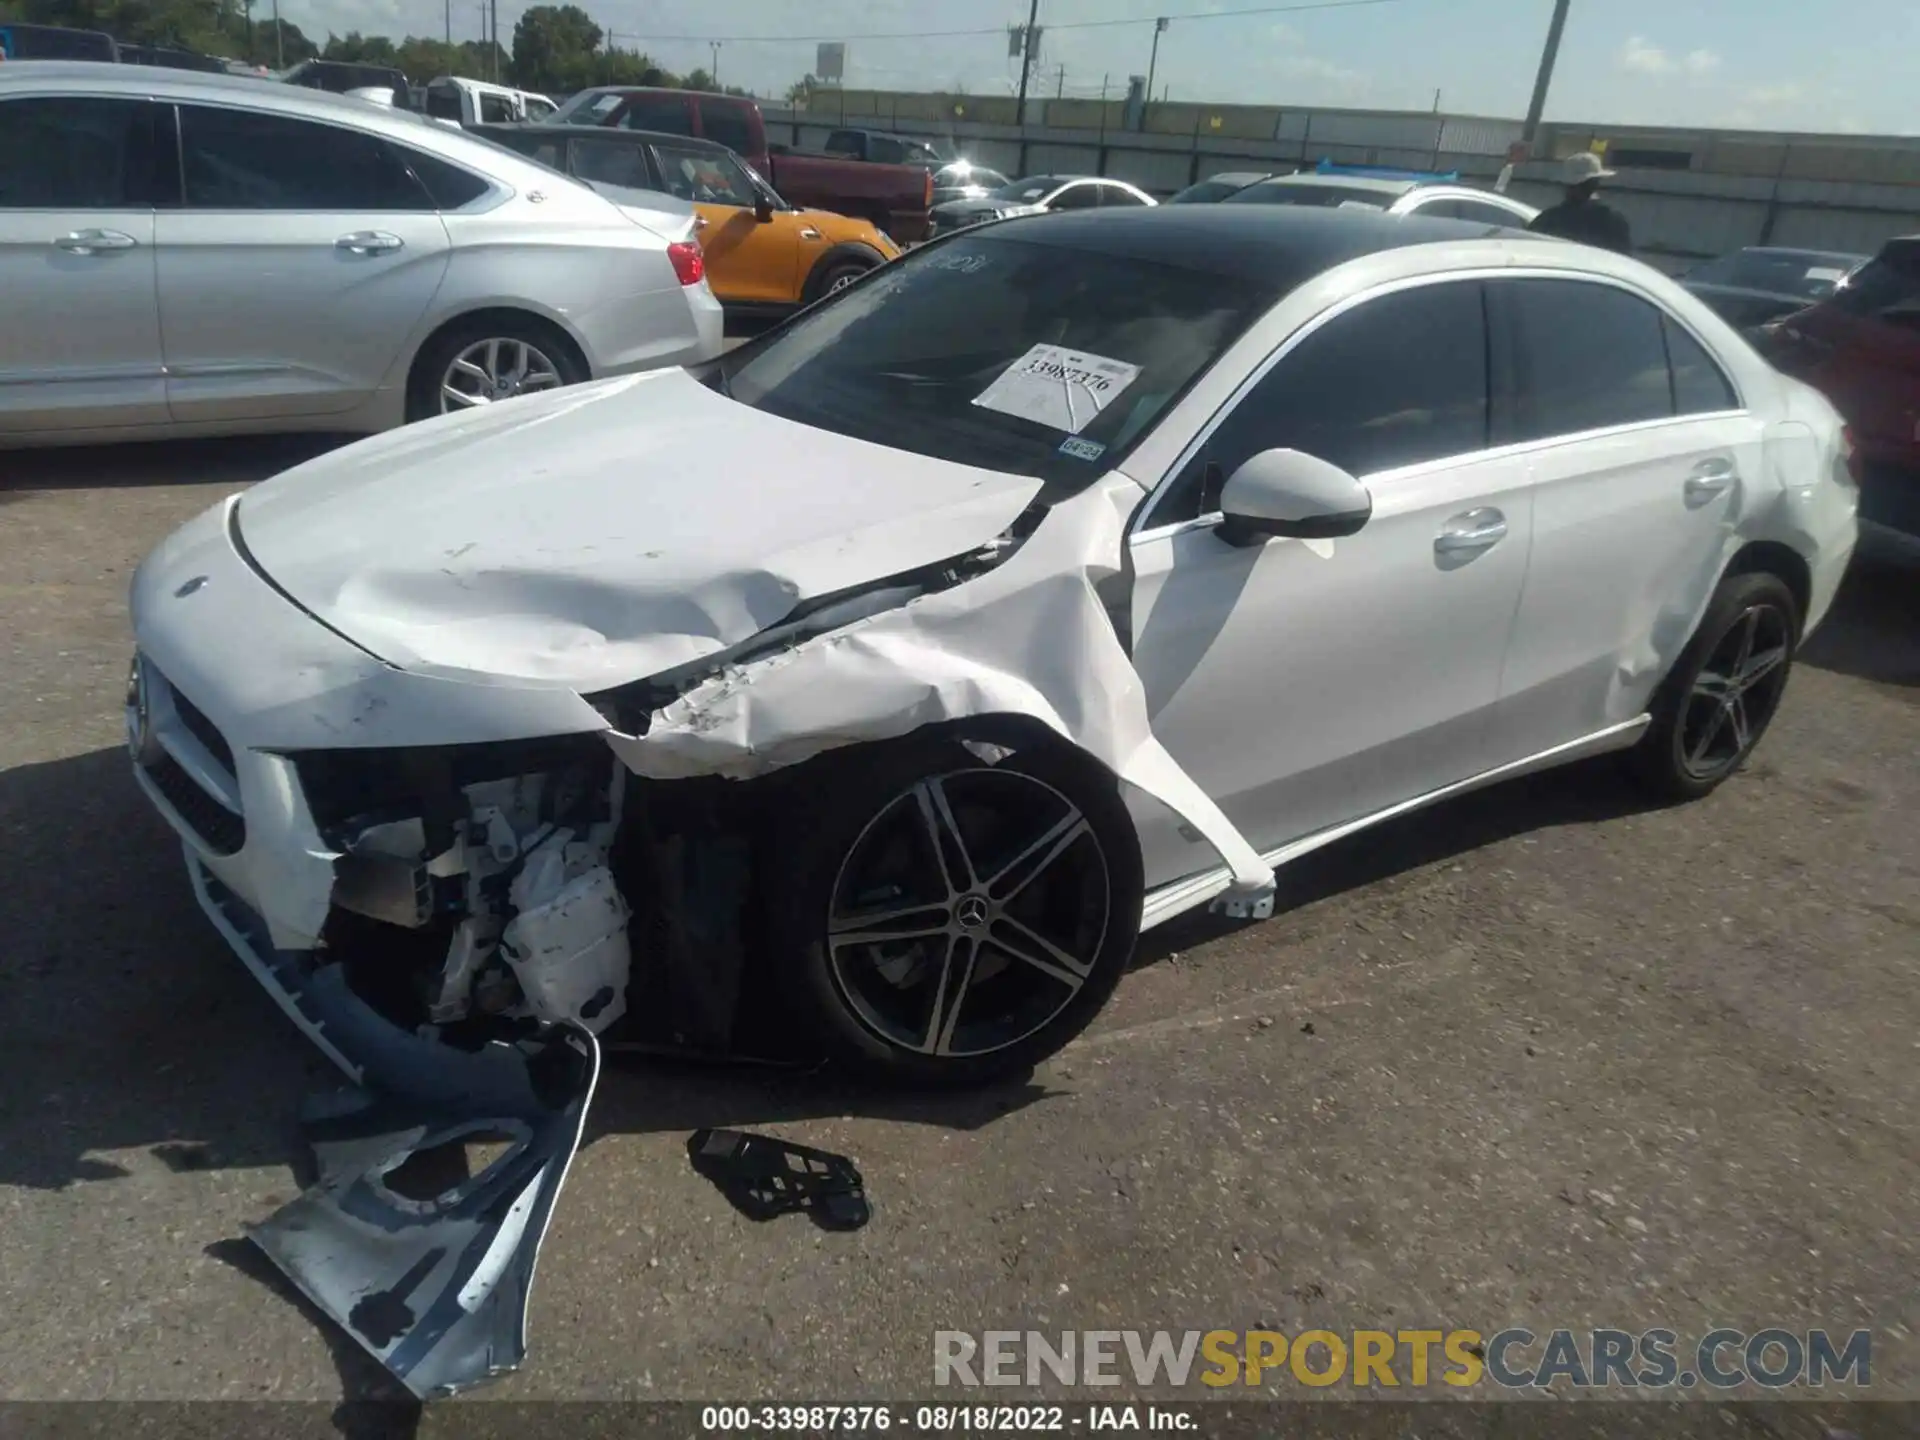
(891, 674)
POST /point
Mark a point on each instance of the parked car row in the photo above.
(193, 254)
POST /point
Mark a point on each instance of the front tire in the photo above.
(1724, 691)
(946, 921)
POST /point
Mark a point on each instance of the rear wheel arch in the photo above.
(513, 319)
(1770, 557)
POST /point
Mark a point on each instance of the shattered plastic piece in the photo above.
(567, 946)
(435, 1288)
(764, 1177)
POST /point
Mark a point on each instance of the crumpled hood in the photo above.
(603, 533)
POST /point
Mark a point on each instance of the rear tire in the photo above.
(998, 905)
(835, 275)
(490, 358)
(1724, 690)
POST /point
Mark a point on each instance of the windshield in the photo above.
(589, 107)
(1029, 191)
(1326, 196)
(1810, 277)
(1027, 358)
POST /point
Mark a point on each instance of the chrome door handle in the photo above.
(1710, 478)
(1471, 532)
(369, 242)
(91, 242)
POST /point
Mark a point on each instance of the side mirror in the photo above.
(1286, 492)
(762, 209)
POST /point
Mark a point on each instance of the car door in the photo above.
(79, 313)
(1638, 449)
(1305, 683)
(302, 257)
(749, 260)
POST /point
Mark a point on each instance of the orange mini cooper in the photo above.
(764, 258)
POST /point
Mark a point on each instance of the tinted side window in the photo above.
(249, 160)
(1397, 381)
(705, 177)
(1478, 211)
(77, 154)
(657, 112)
(1887, 287)
(884, 151)
(1589, 356)
(611, 163)
(443, 102)
(728, 125)
(1077, 197)
(1112, 195)
(1700, 386)
(496, 110)
(448, 184)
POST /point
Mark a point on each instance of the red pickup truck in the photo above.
(896, 198)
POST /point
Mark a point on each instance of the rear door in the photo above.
(79, 313)
(1640, 453)
(301, 260)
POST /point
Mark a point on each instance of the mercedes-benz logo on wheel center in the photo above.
(971, 913)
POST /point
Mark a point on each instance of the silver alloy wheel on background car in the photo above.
(1736, 692)
(843, 280)
(497, 368)
(968, 913)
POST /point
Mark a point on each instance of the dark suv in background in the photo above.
(1860, 347)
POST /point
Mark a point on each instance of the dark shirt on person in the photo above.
(1586, 222)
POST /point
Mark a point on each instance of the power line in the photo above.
(1002, 30)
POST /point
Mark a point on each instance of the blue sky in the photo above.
(1852, 65)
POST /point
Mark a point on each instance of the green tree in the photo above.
(555, 48)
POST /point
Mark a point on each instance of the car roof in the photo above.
(1237, 177)
(186, 86)
(1267, 243)
(605, 133)
(1797, 252)
(1370, 184)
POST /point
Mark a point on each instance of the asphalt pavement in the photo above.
(1543, 1057)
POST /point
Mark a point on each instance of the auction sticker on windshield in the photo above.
(1057, 387)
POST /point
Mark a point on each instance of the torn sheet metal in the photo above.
(1031, 637)
(436, 1288)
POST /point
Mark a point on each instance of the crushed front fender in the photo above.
(435, 1286)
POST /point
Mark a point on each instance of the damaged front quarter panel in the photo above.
(432, 1280)
(1031, 636)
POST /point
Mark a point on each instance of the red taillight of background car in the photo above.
(688, 263)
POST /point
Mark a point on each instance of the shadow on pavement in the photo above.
(1873, 630)
(237, 460)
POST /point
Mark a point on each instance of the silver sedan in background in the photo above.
(186, 254)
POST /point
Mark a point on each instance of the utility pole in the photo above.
(493, 18)
(715, 71)
(1541, 81)
(1060, 84)
(1026, 61)
(449, 27)
(279, 40)
(1153, 60)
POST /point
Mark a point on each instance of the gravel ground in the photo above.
(1541, 1057)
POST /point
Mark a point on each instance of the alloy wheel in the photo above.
(968, 913)
(1736, 692)
(842, 280)
(497, 368)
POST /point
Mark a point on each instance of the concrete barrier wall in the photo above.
(1830, 193)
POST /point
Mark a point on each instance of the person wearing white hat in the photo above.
(1581, 217)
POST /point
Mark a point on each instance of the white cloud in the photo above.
(1702, 62)
(1643, 57)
